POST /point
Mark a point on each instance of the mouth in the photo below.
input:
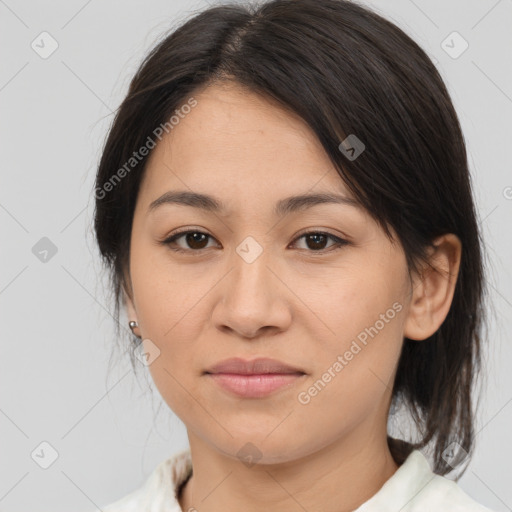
(254, 379)
(259, 366)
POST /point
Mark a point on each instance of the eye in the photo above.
(315, 240)
(198, 240)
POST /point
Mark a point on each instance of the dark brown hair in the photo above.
(344, 70)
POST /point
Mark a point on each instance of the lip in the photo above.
(258, 366)
(254, 379)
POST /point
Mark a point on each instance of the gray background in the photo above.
(56, 327)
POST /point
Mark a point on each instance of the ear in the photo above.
(433, 290)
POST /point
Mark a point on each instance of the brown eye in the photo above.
(316, 241)
(195, 241)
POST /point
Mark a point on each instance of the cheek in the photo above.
(166, 298)
(356, 358)
(172, 375)
(352, 298)
(354, 372)
(172, 316)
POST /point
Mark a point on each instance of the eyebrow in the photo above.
(283, 207)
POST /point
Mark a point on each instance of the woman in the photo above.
(285, 206)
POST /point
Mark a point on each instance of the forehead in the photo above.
(237, 142)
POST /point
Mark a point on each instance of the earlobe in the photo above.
(131, 312)
(433, 291)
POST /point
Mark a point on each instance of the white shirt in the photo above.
(412, 488)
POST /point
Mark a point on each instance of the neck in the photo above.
(339, 477)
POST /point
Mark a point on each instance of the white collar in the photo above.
(412, 488)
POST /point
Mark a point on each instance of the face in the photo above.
(316, 285)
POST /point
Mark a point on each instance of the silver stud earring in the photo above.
(132, 324)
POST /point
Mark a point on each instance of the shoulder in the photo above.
(414, 487)
(444, 495)
(156, 493)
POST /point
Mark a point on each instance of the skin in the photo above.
(295, 303)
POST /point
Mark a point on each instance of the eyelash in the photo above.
(339, 242)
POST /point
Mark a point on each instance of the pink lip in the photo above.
(256, 366)
(253, 379)
(254, 386)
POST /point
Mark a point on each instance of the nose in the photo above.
(253, 302)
